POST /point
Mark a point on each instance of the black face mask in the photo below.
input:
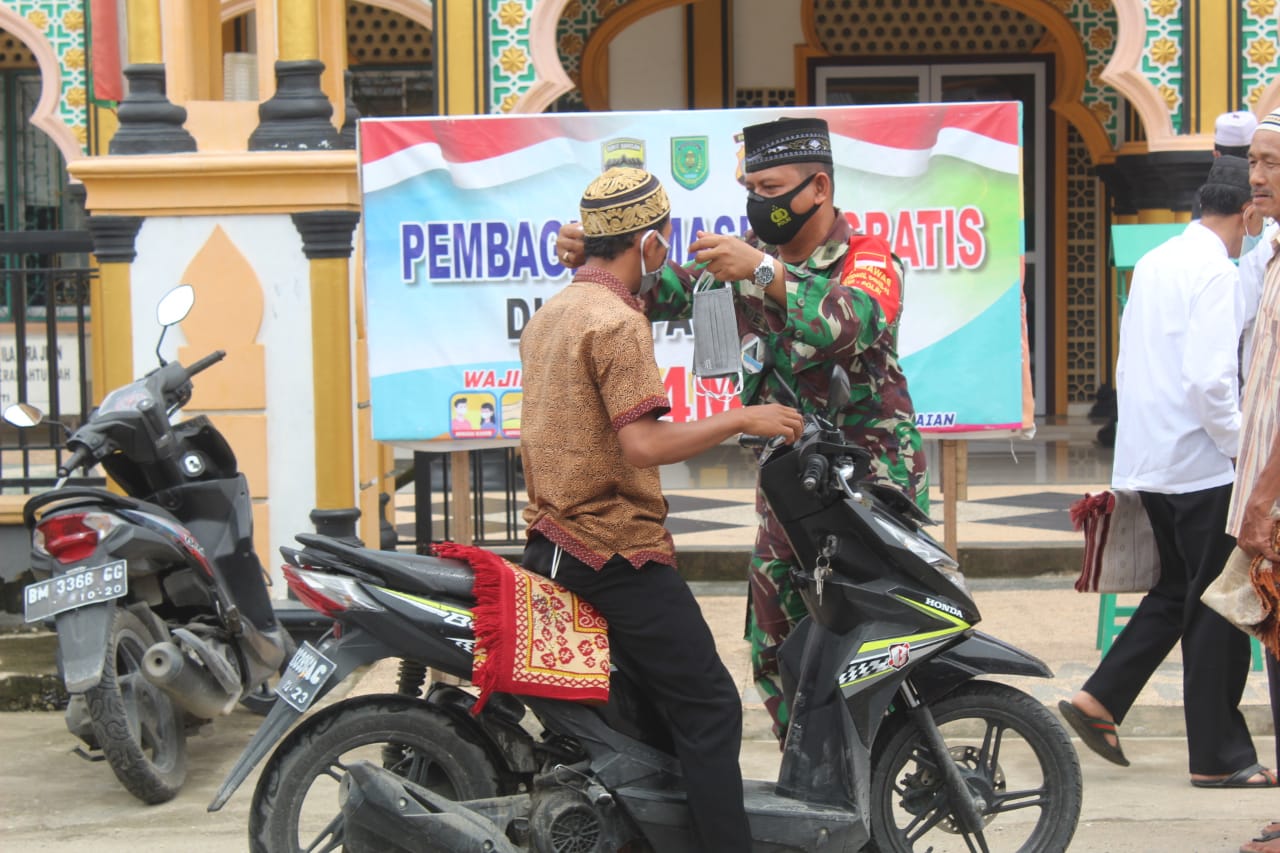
(772, 218)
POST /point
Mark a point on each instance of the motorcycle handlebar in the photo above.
(815, 472)
(78, 458)
(770, 442)
(205, 363)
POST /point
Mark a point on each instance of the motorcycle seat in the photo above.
(403, 572)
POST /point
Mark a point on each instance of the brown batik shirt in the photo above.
(588, 371)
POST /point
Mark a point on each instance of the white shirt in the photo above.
(1176, 378)
(1253, 266)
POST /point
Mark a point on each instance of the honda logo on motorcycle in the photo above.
(899, 655)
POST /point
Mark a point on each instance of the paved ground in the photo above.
(52, 800)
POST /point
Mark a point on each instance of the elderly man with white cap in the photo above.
(1232, 133)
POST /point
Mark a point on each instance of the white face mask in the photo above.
(649, 278)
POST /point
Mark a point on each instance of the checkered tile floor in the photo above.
(726, 517)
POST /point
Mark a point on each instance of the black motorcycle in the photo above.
(895, 744)
(159, 601)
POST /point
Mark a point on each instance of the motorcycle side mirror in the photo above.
(175, 305)
(758, 360)
(837, 392)
(23, 415)
(172, 309)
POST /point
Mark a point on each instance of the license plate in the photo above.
(77, 588)
(306, 674)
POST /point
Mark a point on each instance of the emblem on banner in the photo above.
(622, 152)
(689, 161)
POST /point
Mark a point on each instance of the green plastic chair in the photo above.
(1112, 618)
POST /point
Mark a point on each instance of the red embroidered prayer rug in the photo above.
(533, 636)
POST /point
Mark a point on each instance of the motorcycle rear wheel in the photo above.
(295, 805)
(1010, 749)
(140, 730)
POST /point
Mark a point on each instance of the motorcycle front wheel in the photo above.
(140, 730)
(1012, 754)
(295, 805)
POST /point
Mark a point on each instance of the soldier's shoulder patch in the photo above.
(869, 267)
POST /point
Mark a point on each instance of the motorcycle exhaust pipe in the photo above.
(185, 682)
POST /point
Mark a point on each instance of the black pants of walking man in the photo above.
(656, 626)
(1189, 531)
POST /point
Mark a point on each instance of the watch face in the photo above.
(764, 272)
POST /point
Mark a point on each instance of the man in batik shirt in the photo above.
(818, 294)
(592, 440)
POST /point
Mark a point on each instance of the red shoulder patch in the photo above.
(869, 267)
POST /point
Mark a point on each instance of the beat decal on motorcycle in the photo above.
(44, 599)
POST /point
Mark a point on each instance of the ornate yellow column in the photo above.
(326, 241)
(461, 63)
(462, 71)
(149, 123)
(709, 34)
(297, 116)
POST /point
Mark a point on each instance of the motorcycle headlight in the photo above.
(926, 550)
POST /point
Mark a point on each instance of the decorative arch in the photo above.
(1124, 73)
(550, 79)
(595, 56)
(46, 115)
(1061, 38)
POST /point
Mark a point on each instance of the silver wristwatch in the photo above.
(764, 271)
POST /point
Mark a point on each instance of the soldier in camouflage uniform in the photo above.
(819, 295)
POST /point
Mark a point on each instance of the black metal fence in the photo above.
(44, 361)
(497, 498)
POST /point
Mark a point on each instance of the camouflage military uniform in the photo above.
(823, 322)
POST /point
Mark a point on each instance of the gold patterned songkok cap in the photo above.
(623, 200)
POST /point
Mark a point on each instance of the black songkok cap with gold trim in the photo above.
(787, 140)
(623, 200)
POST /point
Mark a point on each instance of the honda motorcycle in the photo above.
(158, 599)
(896, 742)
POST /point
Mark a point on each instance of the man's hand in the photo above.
(727, 257)
(1256, 530)
(770, 419)
(570, 248)
(1252, 221)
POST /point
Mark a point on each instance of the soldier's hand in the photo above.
(770, 419)
(727, 257)
(570, 248)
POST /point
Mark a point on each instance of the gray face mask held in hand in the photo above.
(717, 351)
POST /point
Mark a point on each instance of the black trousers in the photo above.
(1193, 546)
(656, 624)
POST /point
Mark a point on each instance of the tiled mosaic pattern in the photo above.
(377, 36)
(765, 98)
(1084, 272)
(62, 23)
(577, 22)
(1258, 45)
(1095, 21)
(943, 27)
(511, 71)
(1162, 57)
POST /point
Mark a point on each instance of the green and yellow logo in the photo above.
(689, 161)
